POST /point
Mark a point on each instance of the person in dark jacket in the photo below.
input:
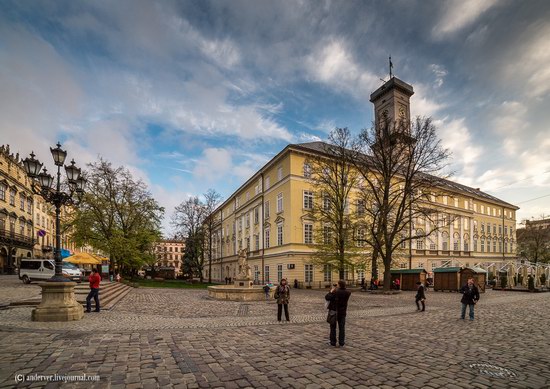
(282, 295)
(420, 297)
(470, 296)
(338, 301)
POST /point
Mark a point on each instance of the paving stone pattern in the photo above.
(161, 338)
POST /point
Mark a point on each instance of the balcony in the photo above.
(12, 238)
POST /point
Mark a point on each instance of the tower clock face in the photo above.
(402, 112)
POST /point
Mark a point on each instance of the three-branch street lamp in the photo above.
(42, 185)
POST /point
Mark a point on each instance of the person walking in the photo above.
(420, 297)
(94, 279)
(338, 298)
(266, 291)
(282, 295)
(470, 296)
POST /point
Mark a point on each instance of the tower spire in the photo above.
(391, 67)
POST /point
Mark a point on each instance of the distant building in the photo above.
(169, 254)
(540, 224)
(16, 212)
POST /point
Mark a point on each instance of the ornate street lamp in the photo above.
(58, 300)
(56, 196)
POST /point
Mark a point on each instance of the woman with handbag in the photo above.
(282, 295)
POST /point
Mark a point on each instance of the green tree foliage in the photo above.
(119, 216)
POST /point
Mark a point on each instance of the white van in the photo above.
(44, 269)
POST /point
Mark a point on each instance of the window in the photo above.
(248, 243)
(21, 227)
(327, 273)
(279, 234)
(360, 207)
(505, 230)
(403, 265)
(266, 209)
(266, 273)
(445, 200)
(420, 244)
(3, 192)
(267, 183)
(256, 215)
(256, 242)
(307, 170)
(327, 234)
(266, 243)
(482, 245)
(256, 274)
(500, 246)
(326, 202)
(456, 202)
(29, 206)
(466, 242)
(247, 196)
(308, 272)
(466, 204)
(361, 237)
(482, 228)
(240, 224)
(279, 173)
(237, 200)
(432, 245)
(466, 223)
(308, 200)
(482, 209)
(247, 220)
(279, 272)
(279, 202)
(456, 243)
(12, 197)
(494, 229)
(475, 207)
(2, 223)
(22, 201)
(494, 245)
(500, 230)
(445, 239)
(308, 233)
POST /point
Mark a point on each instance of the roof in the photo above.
(475, 269)
(323, 147)
(408, 271)
(447, 270)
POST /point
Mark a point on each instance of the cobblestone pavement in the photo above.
(181, 339)
(12, 289)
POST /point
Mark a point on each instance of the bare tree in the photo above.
(211, 201)
(534, 242)
(333, 177)
(187, 220)
(401, 168)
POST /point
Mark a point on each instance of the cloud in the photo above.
(439, 73)
(459, 14)
(421, 104)
(332, 63)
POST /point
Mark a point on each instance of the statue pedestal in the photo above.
(58, 303)
(243, 283)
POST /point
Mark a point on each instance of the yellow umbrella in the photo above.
(83, 259)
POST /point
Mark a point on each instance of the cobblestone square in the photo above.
(168, 338)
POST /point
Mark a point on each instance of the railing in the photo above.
(5, 234)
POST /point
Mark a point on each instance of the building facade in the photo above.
(268, 215)
(16, 212)
(169, 254)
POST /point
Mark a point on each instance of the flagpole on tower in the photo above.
(391, 67)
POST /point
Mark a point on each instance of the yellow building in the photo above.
(268, 215)
(16, 211)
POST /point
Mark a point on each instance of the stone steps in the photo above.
(110, 293)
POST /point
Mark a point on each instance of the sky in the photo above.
(192, 95)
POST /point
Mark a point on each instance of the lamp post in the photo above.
(58, 301)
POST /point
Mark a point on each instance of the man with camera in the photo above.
(338, 302)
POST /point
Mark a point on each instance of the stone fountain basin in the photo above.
(237, 293)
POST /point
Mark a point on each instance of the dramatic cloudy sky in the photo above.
(191, 95)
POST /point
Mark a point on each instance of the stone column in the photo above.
(58, 303)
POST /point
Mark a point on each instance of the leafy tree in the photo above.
(333, 179)
(400, 165)
(119, 216)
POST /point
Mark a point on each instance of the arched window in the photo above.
(466, 242)
(445, 240)
(419, 239)
(456, 241)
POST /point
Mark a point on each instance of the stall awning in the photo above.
(84, 259)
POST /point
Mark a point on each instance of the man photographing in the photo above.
(338, 301)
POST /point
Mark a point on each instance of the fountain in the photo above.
(243, 288)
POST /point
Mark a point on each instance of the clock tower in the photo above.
(392, 103)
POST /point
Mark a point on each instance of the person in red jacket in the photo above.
(95, 279)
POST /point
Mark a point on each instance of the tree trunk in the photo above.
(374, 265)
(387, 276)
